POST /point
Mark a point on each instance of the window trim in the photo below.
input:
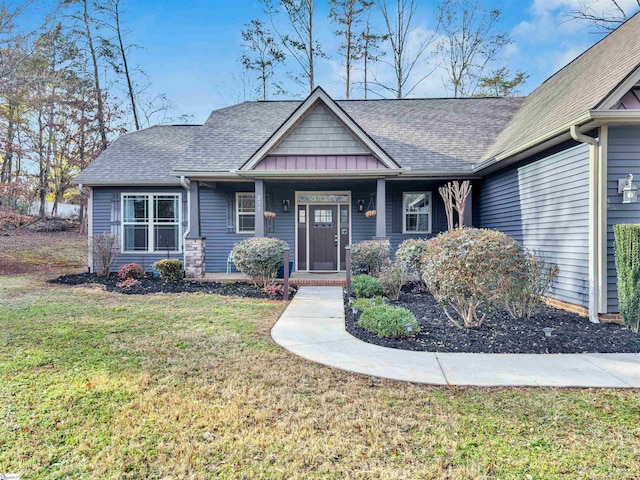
(405, 213)
(244, 232)
(151, 223)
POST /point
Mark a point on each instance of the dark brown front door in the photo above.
(323, 237)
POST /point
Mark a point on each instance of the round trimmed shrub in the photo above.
(364, 286)
(409, 254)
(169, 269)
(370, 256)
(470, 271)
(388, 321)
(131, 270)
(363, 303)
(259, 259)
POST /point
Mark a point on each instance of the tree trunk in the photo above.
(125, 64)
(311, 53)
(94, 58)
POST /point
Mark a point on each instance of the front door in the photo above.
(323, 237)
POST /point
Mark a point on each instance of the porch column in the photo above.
(467, 220)
(381, 208)
(194, 243)
(194, 213)
(259, 189)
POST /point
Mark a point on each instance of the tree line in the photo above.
(462, 39)
(388, 48)
(67, 88)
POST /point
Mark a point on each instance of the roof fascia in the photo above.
(621, 90)
(319, 95)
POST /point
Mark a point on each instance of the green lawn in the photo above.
(101, 385)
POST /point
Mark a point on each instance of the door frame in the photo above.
(336, 204)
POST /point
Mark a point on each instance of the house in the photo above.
(545, 169)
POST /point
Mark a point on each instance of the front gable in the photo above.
(319, 132)
(630, 101)
(319, 135)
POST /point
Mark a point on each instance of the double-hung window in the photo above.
(151, 222)
(245, 212)
(416, 212)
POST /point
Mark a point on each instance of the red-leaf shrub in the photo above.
(131, 270)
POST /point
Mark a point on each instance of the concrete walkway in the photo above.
(313, 328)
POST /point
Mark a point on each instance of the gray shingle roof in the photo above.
(580, 86)
(138, 158)
(423, 134)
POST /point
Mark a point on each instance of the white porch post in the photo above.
(259, 189)
(381, 208)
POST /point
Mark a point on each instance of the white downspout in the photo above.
(594, 230)
(186, 184)
(89, 213)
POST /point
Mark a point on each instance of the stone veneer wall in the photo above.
(194, 249)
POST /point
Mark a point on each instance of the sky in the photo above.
(191, 47)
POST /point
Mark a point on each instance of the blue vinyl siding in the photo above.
(624, 158)
(106, 219)
(214, 212)
(544, 205)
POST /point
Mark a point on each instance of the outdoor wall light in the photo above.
(361, 205)
(285, 206)
(628, 189)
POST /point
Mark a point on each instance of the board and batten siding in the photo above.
(107, 219)
(544, 205)
(319, 133)
(623, 159)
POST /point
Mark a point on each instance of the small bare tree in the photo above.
(104, 248)
(454, 195)
(406, 53)
(447, 197)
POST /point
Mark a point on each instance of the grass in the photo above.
(101, 385)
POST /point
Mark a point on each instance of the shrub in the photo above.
(370, 256)
(131, 270)
(105, 249)
(392, 278)
(364, 286)
(274, 290)
(129, 283)
(388, 321)
(470, 269)
(627, 252)
(410, 254)
(169, 269)
(524, 293)
(363, 303)
(259, 259)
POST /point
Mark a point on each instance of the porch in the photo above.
(297, 278)
(317, 219)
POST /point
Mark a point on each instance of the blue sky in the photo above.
(191, 47)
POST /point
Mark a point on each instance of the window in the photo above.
(151, 223)
(416, 208)
(245, 212)
(323, 216)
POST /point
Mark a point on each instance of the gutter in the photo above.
(594, 230)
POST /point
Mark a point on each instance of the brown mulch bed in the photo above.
(500, 333)
(152, 284)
